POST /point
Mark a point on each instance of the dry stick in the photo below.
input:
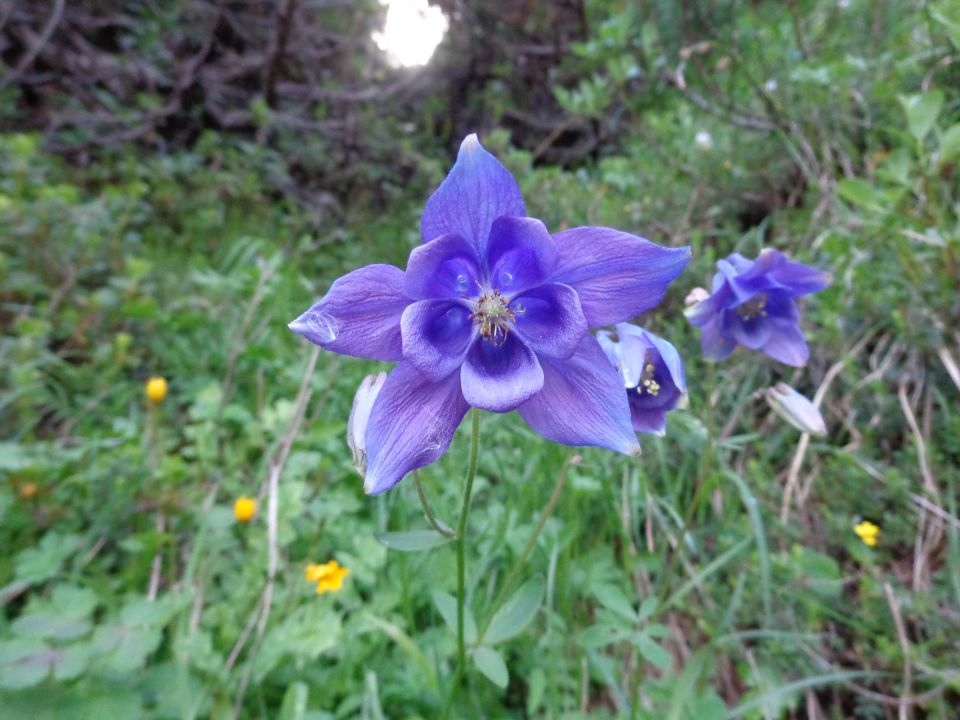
(273, 485)
(793, 475)
(950, 364)
(881, 698)
(906, 691)
(155, 567)
(934, 533)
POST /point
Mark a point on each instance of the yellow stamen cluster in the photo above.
(244, 509)
(156, 389)
(647, 382)
(328, 576)
(867, 532)
(754, 307)
(494, 316)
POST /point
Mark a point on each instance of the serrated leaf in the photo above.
(413, 540)
(614, 599)
(489, 662)
(447, 606)
(43, 561)
(516, 613)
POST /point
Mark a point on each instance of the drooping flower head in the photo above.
(492, 312)
(651, 371)
(752, 304)
(796, 409)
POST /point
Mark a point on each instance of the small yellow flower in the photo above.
(244, 509)
(867, 532)
(328, 576)
(28, 491)
(156, 390)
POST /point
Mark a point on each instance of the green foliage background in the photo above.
(127, 588)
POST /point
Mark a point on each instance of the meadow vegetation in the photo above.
(717, 576)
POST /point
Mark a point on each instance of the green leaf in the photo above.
(413, 540)
(489, 662)
(708, 707)
(407, 644)
(45, 560)
(653, 652)
(647, 608)
(73, 602)
(602, 634)
(516, 613)
(294, 705)
(447, 606)
(23, 663)
(950, 145)
(48, 626)
(922, 111)
(536, 686)
(859, 192)
(614, 599)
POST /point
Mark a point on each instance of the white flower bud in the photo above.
(698, 294)
(703, 140)
(359, 416)
(796, 409)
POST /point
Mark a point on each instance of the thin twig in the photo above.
(273, 492)
(906, 689)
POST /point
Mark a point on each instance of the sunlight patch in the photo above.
(412, 32)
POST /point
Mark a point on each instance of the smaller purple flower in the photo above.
(752, 303)
(652, 372)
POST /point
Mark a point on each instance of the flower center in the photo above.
(646, 381)
(754, 307)
(493, 315)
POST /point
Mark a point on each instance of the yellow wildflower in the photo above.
(28, 491)
(156, 390)
(867, 532)
(244, 509)
(328, 576)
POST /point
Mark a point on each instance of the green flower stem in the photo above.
(460, 542)
(706, 464)
(436, 523)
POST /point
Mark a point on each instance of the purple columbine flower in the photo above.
(492, 312)
(651, 371)
(752, 304)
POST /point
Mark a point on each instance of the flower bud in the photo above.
(698, 294)
(359, 416)
(703, 140)
(796, 409)
(244, 509)
(156, 389)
